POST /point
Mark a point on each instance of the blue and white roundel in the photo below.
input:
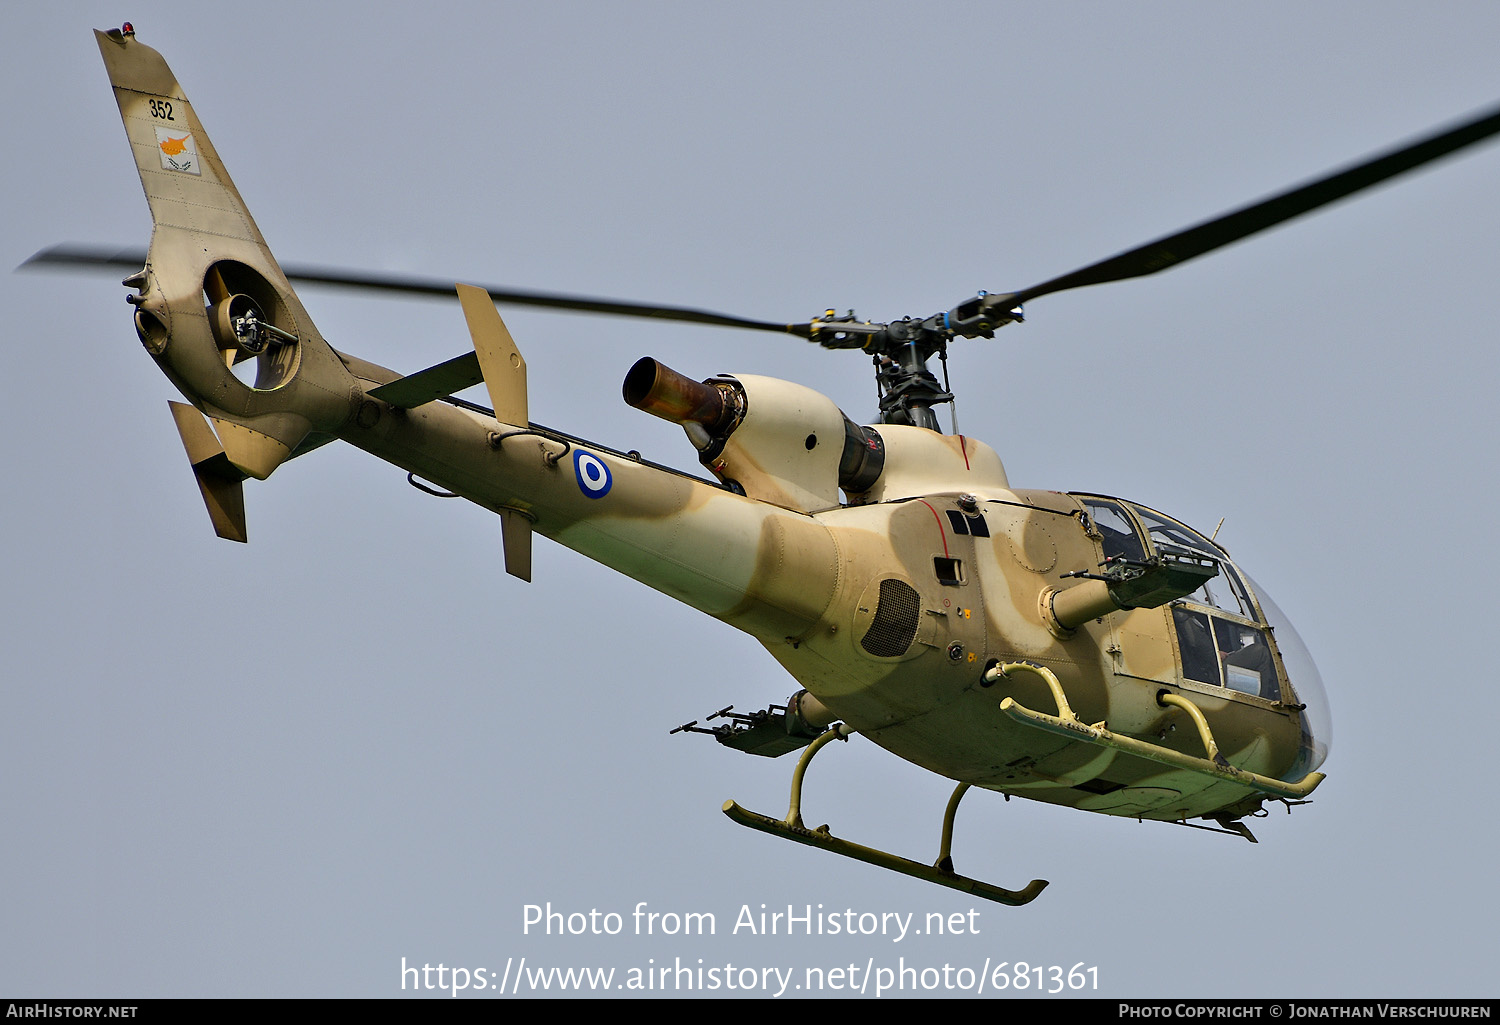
(593, 476)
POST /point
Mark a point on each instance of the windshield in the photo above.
(1307, 687)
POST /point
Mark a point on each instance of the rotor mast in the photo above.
(901, 349)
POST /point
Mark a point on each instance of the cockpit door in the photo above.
(1139, 642)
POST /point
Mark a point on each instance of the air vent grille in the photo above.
(895, 623)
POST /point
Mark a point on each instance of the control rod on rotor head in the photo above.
(908, 390)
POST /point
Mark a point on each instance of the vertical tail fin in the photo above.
(212, 295)
(185, 181)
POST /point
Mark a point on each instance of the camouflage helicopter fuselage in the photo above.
(896, 596)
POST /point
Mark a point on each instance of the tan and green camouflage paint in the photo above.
(789, 562)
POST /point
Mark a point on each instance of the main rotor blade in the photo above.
(89, 257)
(1171, 250)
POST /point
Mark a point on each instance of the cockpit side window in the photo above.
(1121, 538)
(1222, 653)
(1195, 639)
(1248, 665)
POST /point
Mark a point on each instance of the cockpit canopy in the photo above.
(1229, 632)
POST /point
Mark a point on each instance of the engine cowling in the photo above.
(775, 441)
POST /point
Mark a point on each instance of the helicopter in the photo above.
(1076, 649)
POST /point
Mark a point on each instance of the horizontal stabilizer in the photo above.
(495, 362)
(220, 481)
(431, 384)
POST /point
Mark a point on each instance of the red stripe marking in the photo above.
(939, 519)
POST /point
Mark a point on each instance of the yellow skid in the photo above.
(1066, 724)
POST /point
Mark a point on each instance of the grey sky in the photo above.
(278, 769)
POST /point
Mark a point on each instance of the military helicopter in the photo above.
(1076, 649)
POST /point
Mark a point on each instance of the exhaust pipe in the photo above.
(661, 391)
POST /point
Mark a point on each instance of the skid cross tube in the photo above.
(1066, 724)
(792, 828)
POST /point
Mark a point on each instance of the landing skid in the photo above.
(941, 872)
